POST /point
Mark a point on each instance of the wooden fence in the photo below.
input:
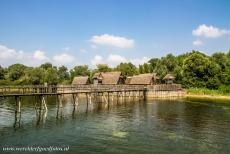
(164, 87)
(65, 89)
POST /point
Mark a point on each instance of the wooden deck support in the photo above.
(17, 120)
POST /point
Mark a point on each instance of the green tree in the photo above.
(200, 71)
(35, 76)
(51, 76)
(141, 69)
(152, 64)
(16, 71)
(47, 65)
(81, 70)
(103, 68)
(127, 69)
(2, 73)
(63, 73)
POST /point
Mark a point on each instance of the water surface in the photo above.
(156, 126)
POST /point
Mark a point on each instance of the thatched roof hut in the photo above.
(108, 78)
(144, 79)
(128, 80)
(81, 80)
(169, 78)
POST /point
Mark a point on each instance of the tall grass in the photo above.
(222, 91)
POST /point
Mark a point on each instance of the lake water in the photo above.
(135, 127)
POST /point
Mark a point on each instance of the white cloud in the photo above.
(111, 40)
(63, 58)
(209, 31)
(197, 42)
(116, 58)
(39, 55)
(7, 53)
(97, 60)
(9, 56)
(113, 60)
(139, 61)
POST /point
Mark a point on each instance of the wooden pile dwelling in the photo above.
(144, 79)
(81, 80)
(169, 79)
(108, 78)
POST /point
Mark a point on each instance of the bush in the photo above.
(225, 89)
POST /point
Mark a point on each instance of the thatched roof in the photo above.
(80, 80)
(111, 77)
(145, 79)
(108, 77)
(169, 77)
(128, 80)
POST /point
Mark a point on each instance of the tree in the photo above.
(35, 76)
(47, 65)
(127, 69)
(51, 76)
(140, 69)
(103, 68)
(200, 71)
(2, 73)
(152, 64)
(81, 70)
(221, 59)
(169, 61)
(16, 71)
(145, 68)
(63, 73)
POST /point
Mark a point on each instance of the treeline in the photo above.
(193, 69)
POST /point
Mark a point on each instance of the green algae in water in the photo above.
(120, 134)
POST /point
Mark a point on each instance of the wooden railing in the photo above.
(65, 89)
(69, 89)
(165, 87)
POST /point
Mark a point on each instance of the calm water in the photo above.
(158, 126)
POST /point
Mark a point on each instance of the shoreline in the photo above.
(207, 96)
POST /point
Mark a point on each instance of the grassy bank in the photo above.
(207, 93)
(204, 91)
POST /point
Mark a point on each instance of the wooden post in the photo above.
(44, 106)
(18, 104)
(117, 97)
(60, 99)
(17, 121)
(108, 100)
(87, 101)
(59, 106)
(75, 99)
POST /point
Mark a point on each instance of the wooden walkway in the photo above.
(6, 91)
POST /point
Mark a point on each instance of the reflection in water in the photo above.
(17, 121)
(41, 116)
(119, 126)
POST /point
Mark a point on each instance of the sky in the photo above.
(76, 32)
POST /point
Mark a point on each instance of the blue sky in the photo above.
(109, 31)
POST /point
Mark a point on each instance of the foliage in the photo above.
(81, 70)
(16, 71)
(205, 91)
(51, 76)
(2, 73)
(103, 68)
(45, 66)
(193, 70)
(63, 73)
(35, 76)
(127, 69)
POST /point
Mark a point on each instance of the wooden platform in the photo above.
(6, 91)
